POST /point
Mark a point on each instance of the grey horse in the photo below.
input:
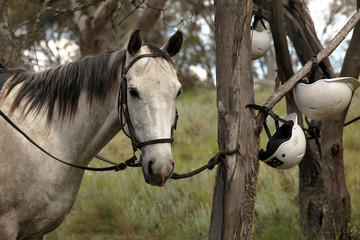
(72, 111)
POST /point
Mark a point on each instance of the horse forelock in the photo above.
(161, 53)
(63, 85)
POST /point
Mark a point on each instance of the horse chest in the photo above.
(37, 203)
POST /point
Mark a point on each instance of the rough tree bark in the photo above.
(234, 194)
(351, 64)
(337, 198)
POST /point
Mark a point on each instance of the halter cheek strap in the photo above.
(124, 112)
(122, 109)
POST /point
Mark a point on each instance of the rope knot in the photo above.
(221, 155)
(120, 167)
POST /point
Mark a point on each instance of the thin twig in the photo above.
(162, 11)
(130, 13)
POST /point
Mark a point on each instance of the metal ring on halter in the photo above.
(134, 161)
(140, 156)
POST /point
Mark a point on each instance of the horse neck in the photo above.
(74, 140)
(90, 129)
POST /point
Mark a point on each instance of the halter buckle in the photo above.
(138, 156)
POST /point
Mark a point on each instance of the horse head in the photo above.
(150, 93)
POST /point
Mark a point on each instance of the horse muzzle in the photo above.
(156, 171)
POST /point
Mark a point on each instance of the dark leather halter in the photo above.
(124, 113)
(133, 161)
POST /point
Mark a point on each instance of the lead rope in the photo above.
(117, 166)
(131, 162)
(218, 158)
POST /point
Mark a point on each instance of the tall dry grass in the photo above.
(122, 206)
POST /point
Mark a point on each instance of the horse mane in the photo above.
(63, 84)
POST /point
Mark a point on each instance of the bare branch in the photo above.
(163, 13)
(149, 17)
(130, 13)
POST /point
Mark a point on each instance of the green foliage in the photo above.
(122, 206)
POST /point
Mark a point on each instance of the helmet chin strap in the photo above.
(314, 68)
(258, 18)
(268, 111)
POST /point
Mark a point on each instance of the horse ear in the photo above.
(135, 42)
(173, 45)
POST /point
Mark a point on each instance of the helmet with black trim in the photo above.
(286, 147)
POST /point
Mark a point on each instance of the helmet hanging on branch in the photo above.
(325, 98)
(286, 147)
(260, 37)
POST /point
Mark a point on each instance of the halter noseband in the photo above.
(134, 161)
(124, 113)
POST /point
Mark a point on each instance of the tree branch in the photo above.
(291, 83)
(351, 63)
(149, 17)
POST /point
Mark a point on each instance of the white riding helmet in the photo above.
(260, 43)
(286, 147)
(325, 98)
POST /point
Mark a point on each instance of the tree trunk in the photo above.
(337, 199)
(311, 193)
(283, 59)
(96, 28)
(351, 64)
(235, 189)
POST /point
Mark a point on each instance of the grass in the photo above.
(122, 206)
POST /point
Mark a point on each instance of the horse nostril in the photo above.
(151, 163)
(157, 172)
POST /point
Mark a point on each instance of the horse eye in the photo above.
(178, 94)
(134, 93)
